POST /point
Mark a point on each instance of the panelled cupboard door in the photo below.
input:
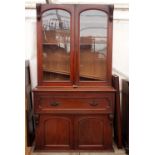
(54, 132)
(93, 132)
(67, 132)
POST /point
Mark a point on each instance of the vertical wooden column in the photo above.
(117, 113)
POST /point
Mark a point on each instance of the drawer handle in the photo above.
(93, 103)
(54, 103)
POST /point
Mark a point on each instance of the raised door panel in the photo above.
(93, 132)
(54, 132)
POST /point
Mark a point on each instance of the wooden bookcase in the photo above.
(74, 99)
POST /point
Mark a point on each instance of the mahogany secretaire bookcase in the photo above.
(74, 99)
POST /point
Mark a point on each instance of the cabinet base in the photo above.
(110, 149)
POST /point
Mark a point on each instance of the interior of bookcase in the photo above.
(56, 57)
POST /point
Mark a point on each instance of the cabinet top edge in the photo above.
(75, 4)
(66, 89)
(110, 6)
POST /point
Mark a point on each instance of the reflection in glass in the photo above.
(93, 45)
(56, 45)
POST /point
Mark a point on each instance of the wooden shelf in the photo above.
(50, 44)
(56, 71)
(57, 31)
(92, 44)
(55, 43)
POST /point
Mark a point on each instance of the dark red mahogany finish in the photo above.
(74, 114)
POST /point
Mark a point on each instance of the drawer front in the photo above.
(58, 104)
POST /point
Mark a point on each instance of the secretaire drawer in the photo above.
(69, 105)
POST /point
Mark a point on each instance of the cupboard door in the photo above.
(55, 44)
(94, 42)
(54, 132)
(93, 132)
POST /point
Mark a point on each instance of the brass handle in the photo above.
(93, 103)
(54, 103)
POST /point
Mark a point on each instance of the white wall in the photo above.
(120, 35)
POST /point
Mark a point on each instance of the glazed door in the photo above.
(56, 47)
(54, 132)
(93, 132)
(74, 45)
(93, 44)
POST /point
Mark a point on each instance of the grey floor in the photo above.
(116, 152)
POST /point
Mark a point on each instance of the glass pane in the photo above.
(93, 45)
(56, 45)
